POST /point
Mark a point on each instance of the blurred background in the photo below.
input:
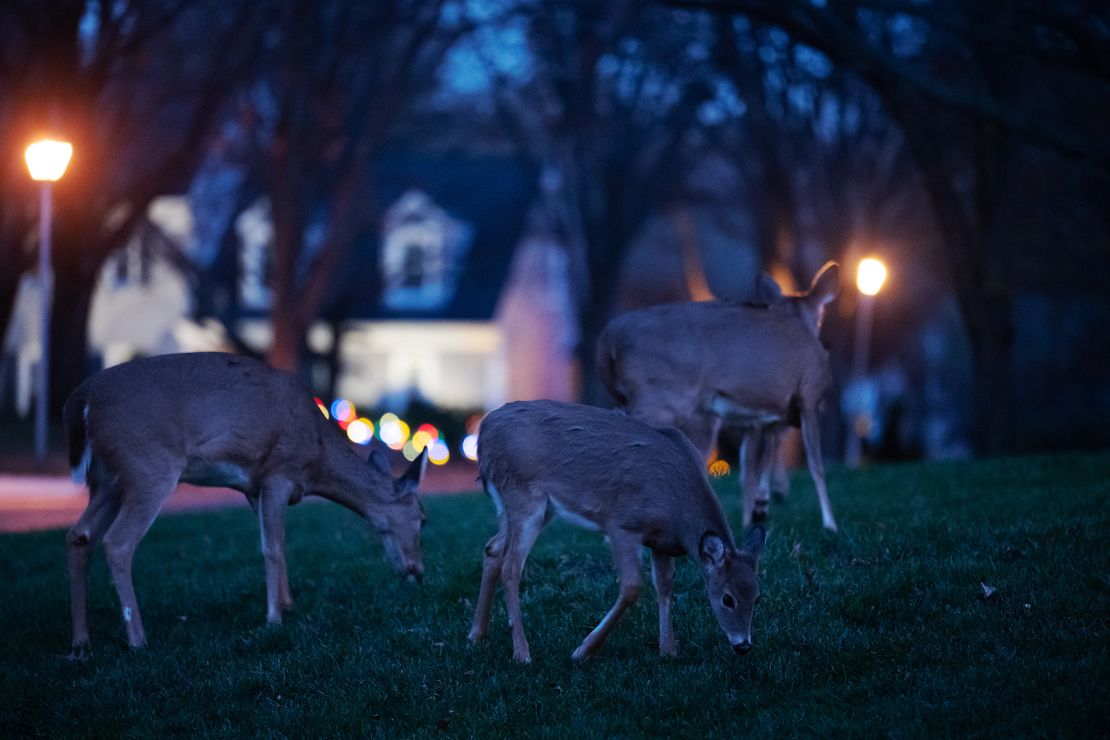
(427, 208)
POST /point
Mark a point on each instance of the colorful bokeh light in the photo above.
(470, 446)
(438, 452)
(393, 431)
(360, 431)
(343, 410)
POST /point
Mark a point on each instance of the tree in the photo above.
(978, 111)
(130, 84)
(342, 75)
(611, 108)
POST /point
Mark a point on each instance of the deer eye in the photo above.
(728, 601)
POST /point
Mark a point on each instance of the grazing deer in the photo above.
(641, 486)
(211, 419)
(761, 367)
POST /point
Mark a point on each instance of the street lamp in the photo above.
(47, 160)
(870, 277)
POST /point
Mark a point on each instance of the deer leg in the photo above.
(80, 541)
(811, 437)
(272, 504)
(520, 540)
(768, 445)
(749, 473)
(139, 506)
(285, 597)
(662, 576)
(701, 429)
(780, 478)
(491, 573)
(626, 556)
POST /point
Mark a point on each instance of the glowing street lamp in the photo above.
(870, 277)
(46, 161)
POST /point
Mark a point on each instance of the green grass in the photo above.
(881, 630)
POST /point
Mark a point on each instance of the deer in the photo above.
(759, 366)
(639, 485)
(138, 429)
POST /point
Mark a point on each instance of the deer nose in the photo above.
(742, 648)
(414, 574)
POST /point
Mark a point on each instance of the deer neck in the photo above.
(708, 518)
(347, 479)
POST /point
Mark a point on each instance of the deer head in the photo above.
(808, 306)
(731, 579)
(399, 519)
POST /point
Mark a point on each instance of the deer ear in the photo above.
(754, 541)
(767, 290)
(825, 285)
(378, 461)
(711, 551)
(410, 479)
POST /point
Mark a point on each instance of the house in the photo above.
(461, 298)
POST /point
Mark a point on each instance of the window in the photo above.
(422, 252)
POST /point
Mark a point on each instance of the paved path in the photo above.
(30, 502)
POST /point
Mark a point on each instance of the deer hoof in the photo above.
(79, 653)
(522, 658)
(581, 654)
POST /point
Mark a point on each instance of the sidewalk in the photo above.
(31, 502)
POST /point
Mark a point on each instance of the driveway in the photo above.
(30, 502)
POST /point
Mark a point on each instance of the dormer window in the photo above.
(422, 247)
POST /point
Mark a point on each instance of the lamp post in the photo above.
(47, 160)
(870, 277)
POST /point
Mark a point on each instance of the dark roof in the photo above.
(492, 195)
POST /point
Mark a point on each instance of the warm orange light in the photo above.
(870, 276)
(47, 159)
(719, 469)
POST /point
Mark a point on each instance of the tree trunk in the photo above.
(14, 263)
(76, 259)
(69, 334)
(992, 382)
(287, 347)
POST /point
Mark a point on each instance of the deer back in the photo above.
(692, 351)
(601, 465)
(213, 407)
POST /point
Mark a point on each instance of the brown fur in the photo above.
(761, 367)
(138, 429)
(641, 486)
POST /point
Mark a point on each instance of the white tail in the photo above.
(211, 419)
(760, 367)
(641, 486)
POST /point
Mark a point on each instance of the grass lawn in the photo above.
(880, 630)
